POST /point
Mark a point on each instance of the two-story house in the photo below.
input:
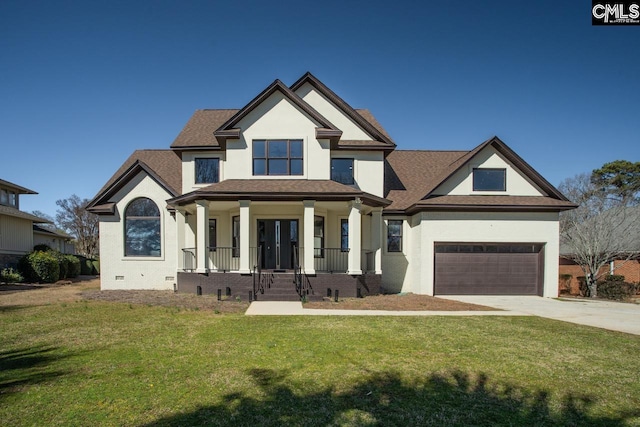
(16, 226)
(299, 192)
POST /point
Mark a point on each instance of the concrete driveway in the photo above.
(614, 316)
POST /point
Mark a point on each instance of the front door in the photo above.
(277, 237)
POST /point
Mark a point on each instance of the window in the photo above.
(394, 236)
(13, 198)
(277, 157)
(207, 171)
(318, 236)
(489, 180)
(342, 171)
(344, 235)
(213, 241)
(235, 236)
(142, 228)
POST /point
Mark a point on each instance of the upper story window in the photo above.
(142, 228)
(489, 179)
(277, 157)
(207, 170)
(8, 198)
(342, 171)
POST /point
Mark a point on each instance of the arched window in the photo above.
(142, 228)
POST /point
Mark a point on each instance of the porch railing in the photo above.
(189, 259)
(331, 260)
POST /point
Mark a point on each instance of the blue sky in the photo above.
(84, 83)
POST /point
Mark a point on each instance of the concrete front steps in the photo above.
(281, 287)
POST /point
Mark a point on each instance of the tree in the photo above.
(600, 230)
(52, 226)
(75, 220)
(620, 179)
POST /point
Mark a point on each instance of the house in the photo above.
(16, 226)
(56, 240)
(297, 192)
(621, 237)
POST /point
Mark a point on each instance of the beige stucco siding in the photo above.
(413, 269)
(120, 272)
(368, 169)
(277, 118)
(350, 130)
(461, 183)
(16, 235)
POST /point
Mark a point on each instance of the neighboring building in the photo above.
(56, 240)
(298, 181)
(16, 227)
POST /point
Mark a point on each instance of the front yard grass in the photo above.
(104, 363)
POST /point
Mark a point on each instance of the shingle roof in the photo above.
(491, 201)
(279, 189)
(198, 132)
(410, 175)
(163, 165)
(11, 211)
(16, 187)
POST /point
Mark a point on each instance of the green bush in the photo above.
(41, 248)
(618, 290)
(9, 275)
(614, 278)
(73, 265)
(40, 266)
(96, 266)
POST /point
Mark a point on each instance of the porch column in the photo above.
(376, 239)
(181, 225)
(245, 233)
(308, 238)
(202, 236)
(355, 241)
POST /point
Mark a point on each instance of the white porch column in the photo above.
(245, 233)
(308, 237)
(181, 225)
(355, 241)
(202, 236)
(376, 239)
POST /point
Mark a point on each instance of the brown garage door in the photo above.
(488, 269)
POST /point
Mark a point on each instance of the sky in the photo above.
(85, 83)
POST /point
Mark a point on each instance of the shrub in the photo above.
(73, 265)
(614, 278)
(616, 289)
(41, 248)
(9, 275)
(40, 266)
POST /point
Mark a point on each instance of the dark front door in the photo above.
(277, 237)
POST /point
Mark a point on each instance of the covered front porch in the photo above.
(245, 240)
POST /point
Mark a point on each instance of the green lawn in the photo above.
(97, 363)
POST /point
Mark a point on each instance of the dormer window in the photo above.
(486, 179)
(277, 157)
(207, 170)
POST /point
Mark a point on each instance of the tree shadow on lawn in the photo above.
(457, 399)
(26, 366)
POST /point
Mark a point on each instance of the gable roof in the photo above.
(325, 130)
(381, 138)
(164, 166)
(412, 176)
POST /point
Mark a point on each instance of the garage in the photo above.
(488, 268)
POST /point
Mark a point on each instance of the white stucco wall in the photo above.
(413, 270)
(368, 169)
(120, 272)
(461, 183)
(277, 118)
(350, 130)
